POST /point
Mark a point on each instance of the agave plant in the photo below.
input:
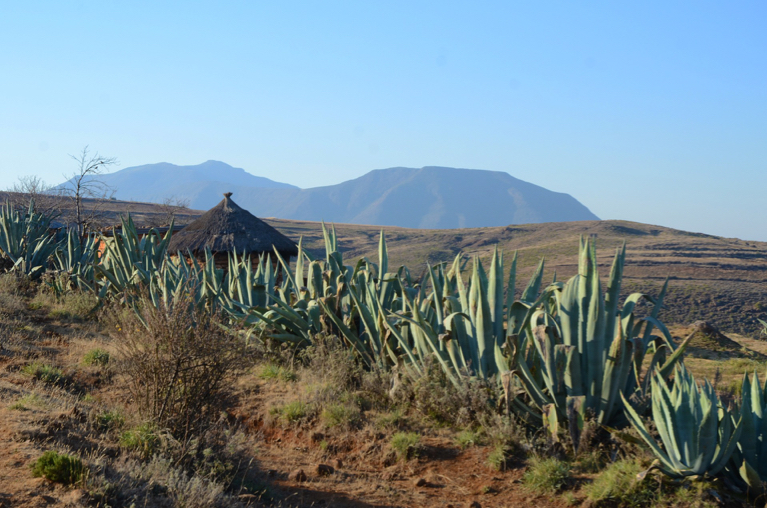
(698, 433)
(588, 349)
(76, 257)
(25, 240)
(128, 261)
(749, 459)
(464, 327)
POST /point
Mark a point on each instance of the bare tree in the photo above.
(85, 184)
(169, 207)
(47, 198)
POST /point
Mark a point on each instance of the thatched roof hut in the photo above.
(228, 228)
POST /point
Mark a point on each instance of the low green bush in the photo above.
(75, 305)
(59, 468)
(97, 357)
(393, 419)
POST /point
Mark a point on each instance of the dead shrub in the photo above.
(179, 363)
(435, 397)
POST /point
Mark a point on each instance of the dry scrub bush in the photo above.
(12, 289)
(435, 397)
(15, 284)
(71, 306)
(179, 363)
(335, 380)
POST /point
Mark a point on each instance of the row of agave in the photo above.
(29, 246)
(562, 353)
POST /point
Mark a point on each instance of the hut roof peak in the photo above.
(227, 227)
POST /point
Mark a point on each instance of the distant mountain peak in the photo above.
(434, 197)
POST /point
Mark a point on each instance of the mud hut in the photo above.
(228, 228)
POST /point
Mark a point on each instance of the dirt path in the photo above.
(18, 451)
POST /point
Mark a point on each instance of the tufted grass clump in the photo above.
(108, 420)
(96, 357)
(272, 371)
(468, 438)
(341, 415)
(44, 372)
(143, 439)
(292, 412)
(496, 459)
(28, 401)
(59, 468)
(617, 485)
(406, 445)
(547, 476)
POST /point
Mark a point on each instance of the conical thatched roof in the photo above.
(228, 228)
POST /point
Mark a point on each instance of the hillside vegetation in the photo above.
(715, 279)
(719, 280)
(133, 377)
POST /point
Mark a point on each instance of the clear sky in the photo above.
(652, 111)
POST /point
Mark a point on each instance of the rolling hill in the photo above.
(719, 280)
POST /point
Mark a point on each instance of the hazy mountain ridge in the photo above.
(202, 184)
(429, 197)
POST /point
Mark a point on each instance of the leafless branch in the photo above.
(84, 184)
(47, 198)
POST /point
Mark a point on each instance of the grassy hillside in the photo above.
(720, 280)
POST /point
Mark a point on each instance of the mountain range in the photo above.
(430, 197)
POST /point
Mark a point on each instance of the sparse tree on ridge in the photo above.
(169, 207)
(84, 184)
(47, 198)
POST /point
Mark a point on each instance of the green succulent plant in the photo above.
(588, 350)
(26, 241)
(698, 433)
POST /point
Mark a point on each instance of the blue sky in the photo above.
(650, 111)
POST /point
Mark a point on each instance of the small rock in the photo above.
(336, 463)
(317, 437)
(324, 470)
(297, 476)
(475, 504)
(420, 482)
